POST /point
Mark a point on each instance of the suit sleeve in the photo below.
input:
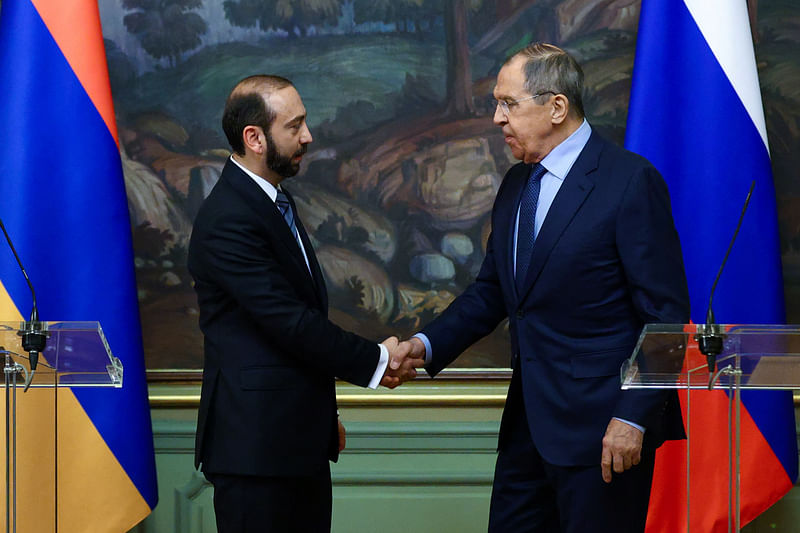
(650, 251)
(235, 255)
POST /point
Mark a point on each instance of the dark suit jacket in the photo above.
(607, 260)
(268, 404)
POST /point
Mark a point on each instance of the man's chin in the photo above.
(287, 171)
(290, 173)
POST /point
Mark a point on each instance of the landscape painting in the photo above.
(397, 187)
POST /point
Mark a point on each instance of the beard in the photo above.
(282, 164)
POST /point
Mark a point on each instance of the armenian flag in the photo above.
(62, 199)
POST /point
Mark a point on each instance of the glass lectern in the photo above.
(76, 355)
(752, 357)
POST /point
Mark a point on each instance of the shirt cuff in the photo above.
(637, 426)
(383, 362)
(428, 350)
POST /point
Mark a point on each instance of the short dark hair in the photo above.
(549, 68)
(247, 106)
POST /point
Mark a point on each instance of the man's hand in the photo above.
(622, 448)
(402, 362)
(342, 436)
(417, 348)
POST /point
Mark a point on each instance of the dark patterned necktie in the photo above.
(527, 222)
(286, 210)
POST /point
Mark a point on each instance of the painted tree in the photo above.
(286, 15)
(398, 12)
(458, 99)
(492, 27)
(377, 10)
(457, 15)
(752, 9)
(165, 28)
(459, 70)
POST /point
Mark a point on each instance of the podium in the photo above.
(666, 356)
(76, 356)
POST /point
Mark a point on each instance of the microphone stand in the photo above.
(33, 332)
(34, 339)
(710, 335)
(11, 370)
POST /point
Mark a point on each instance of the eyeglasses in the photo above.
(506, 105)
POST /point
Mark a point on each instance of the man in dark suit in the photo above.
(583, 252)
(267, 424)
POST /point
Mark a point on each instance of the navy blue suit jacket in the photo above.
(268, 402)
(606, 261)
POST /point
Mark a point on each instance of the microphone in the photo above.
(709, 339)
(33, 332)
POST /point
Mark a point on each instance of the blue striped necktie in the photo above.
(527, 222)
(286, 210)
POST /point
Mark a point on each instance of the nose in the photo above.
(499, 117)
(305, 136)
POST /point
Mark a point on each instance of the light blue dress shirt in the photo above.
(558, 164)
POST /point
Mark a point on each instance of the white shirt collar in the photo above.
(266, 186)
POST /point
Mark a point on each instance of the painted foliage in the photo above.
(397, 188)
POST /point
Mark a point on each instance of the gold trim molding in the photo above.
(441, 398)
(192, 401)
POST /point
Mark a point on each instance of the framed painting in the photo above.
(397, 187)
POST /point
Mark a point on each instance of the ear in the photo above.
(254, 139)
(560, 108)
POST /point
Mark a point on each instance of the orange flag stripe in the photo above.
(83, 49)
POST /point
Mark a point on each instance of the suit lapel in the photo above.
(313, 264)
(268, 212)
(573, 192)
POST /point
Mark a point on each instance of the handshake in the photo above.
(404, 359)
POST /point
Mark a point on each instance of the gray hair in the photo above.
(548, 68)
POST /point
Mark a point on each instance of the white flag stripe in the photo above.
(726, 28)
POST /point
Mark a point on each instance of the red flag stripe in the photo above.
(83, 49)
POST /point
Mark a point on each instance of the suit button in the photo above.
(520, 314)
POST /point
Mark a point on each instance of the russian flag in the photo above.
(62, 198)
(696, 114)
